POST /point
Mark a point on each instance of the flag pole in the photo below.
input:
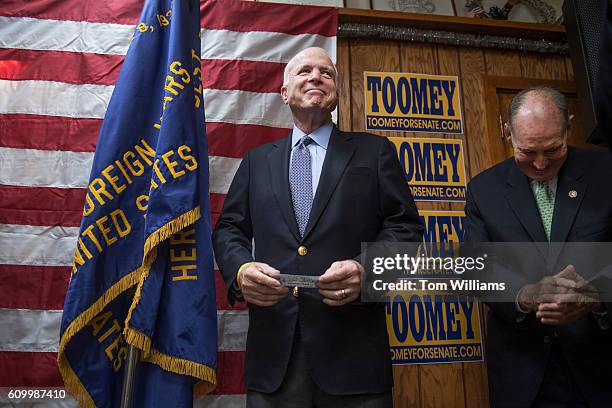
(128, 380)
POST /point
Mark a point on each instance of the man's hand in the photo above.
(556, 314)
(546, 289)
(341, 282)
(560, 299)
(260, 285)
(571, 306)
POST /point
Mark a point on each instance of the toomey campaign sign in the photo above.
(443, 227)
(434, 168)
(412, 102)
(433, 328)
(430, 327)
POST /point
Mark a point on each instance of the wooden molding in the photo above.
(492, 83)
(454, 24)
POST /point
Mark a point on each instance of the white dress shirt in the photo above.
(317, 149)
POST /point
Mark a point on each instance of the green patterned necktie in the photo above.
(546, 204)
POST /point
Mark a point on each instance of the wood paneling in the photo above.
(413, 57)
(473, 374)
(506, 63)
(417, 57)
(441, 385)
(460, 384)
(407, 386)
(543, 66)
(448, 64)
(503, 64)
(472, 64)
(344, 104)
(369, 55)
(569, 69)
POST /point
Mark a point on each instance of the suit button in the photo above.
(302, 250)
(547, 339)
(296, 292)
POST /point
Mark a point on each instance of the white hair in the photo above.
(291, 63)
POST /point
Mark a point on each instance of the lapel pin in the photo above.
(572, 194)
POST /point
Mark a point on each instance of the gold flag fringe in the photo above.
(178, 224)
(138, 339)
(184, 367)
(71, 381)
(143, 342)
(73, 385)
(134, 337)
(203, 388)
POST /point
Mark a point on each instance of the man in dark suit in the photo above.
(546, 349)
(308, 202)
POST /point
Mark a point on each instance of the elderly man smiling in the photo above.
(546, 349)
(307, 202)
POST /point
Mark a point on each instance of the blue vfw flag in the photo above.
(143, 266)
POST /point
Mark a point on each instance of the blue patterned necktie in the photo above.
(300, 181)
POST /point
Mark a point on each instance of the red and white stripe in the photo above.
(58, 65)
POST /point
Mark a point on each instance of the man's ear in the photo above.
(507, 134)
(284, 95)
(570, 122)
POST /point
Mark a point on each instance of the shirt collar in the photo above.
(320, 136)
(552, 183)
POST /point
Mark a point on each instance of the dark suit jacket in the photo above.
(362, 196)
(500, 207)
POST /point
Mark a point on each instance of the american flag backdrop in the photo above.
(58, 63)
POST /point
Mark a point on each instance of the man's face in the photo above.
(311, 83)
(539, 140)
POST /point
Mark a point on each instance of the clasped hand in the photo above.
(560, 299)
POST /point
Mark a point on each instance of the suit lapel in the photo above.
(278, 165)
(520, 197)
(571, 189)
(338, 154)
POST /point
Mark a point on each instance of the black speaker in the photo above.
(584, 20)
